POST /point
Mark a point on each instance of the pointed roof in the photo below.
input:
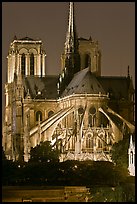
(27, 38)
(84, 82)
(71, 44)
(112, 85)
(40, 87)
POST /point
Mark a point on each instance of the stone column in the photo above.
(78, 139)
(18, 62)
(12, 66)
(19, 68)
(9, 59)
(27, 72)
(38, 69)
(43, 65)
(35, 65)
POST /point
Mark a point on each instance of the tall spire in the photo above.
(70, 58)
(128, 71)
(71, 44)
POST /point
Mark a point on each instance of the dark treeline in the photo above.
(44, 169)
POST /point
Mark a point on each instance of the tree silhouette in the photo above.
(44, 153)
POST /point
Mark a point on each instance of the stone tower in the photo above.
(90, 55)
(25, 58)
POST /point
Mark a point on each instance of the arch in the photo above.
(80, 110)
(31, 64)
(50, 125)
(38, 116)
(80, 113)
(23, 50)
(89, 141)
(87, 60)
(23, 64)
(131, 157)
(50, 113)
(103, 120)
(91, 116)
(92, 110)
(34, 51)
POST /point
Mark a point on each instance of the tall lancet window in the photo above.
(23, 64)
(92, 116)
(38, 116)
(131, 157)
(32, 64)
(87, 61)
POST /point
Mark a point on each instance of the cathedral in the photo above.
(79, 111)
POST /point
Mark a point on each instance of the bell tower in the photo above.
(90, 55)
(26, 57)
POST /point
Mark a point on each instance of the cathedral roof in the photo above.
(41, 87)
(27, 38)
(115, 85)
(83, 82)
(83, 39)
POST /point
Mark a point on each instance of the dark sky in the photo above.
(111, 23)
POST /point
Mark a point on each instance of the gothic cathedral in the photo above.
(79, 111)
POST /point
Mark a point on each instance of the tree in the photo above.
(3, 155)
(44, 153)
(119, 152)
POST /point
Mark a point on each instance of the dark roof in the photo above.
(83, 82)
(27, 38)
(41, 87)
(83, 39)
(118, 87)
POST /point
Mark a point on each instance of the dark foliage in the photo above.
(44, 153)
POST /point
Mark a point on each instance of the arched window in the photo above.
(80, 113)
(103, 120)
(23, 64)
(32, 64)
(89, 141)
(131, 157)
(80, 110)
(87, 61)
(50, 113)
(99, 143)
(38, 116)
(92, 112)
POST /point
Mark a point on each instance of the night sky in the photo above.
(111, 23)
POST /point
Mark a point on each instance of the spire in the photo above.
(70, 57)
(128, 71)
(71, 44)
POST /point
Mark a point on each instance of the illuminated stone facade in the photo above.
(131, 153)
(81, 112)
